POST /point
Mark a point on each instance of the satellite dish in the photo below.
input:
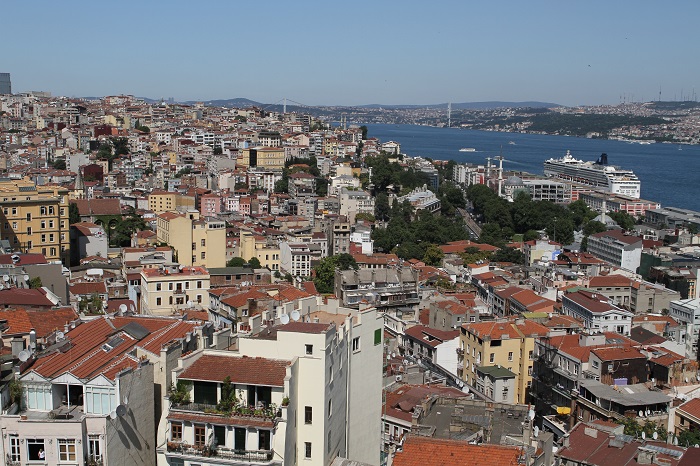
(6, 278)
(188, 338)
(655, 435)
(675, 440)
(121, 410)
(536, 431)
(59, 335)
(113, 415)
(295, 315)
(284, 318)
(190, 304)
(393, 355)
(644, 434)
(641, 413)
(122, 308)
(26, 277)
(531, 414)
(24, 355)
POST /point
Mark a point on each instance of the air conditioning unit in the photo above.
(399, 378)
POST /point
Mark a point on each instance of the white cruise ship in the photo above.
(597, 174)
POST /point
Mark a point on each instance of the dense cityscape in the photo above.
(197, 284)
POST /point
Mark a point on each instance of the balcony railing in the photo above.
(271, 412)
(258, 456)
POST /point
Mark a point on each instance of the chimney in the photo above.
(565, 441)
(32, 339)
(17, 346)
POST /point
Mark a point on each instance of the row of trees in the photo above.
(502, 219)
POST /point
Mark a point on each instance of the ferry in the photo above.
(467, 149)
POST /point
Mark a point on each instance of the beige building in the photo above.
(34, 219)
(507, 343)
(264, 157)
(165, 201)
(171, 287)
(267, 252)
(197, 241)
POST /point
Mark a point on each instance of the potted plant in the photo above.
(285, 401)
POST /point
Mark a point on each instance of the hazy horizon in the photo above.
(359, 53)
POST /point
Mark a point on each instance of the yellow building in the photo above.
(166, 201)
(252, 245)
(263, 157)
(35, 219)
(167, 289)
(196, 241)
(506, 343)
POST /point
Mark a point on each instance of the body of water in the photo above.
(670, 174)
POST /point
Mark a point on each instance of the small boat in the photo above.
(467, 149)
(511, 143)
(680, 148)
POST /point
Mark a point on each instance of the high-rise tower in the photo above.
(5, 84)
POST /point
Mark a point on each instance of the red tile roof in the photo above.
(691, 407)
(88, 207)
(430, 336)
(616, 353)
(88, 288)
(241, 370)
(24, 259)
(401, 402)
(24, 297)
(609, 280)
(428, 451)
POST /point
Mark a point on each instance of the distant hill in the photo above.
(237, 102)
(470, 105)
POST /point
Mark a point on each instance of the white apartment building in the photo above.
(687, 312)
(618, 249)
(170, 287)
(597, 312)
(298, 259)
(306, 393)
(355, 202)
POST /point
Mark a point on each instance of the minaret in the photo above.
(80, 185)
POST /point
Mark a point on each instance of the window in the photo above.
(159, 301)
(204, 242)
(200, 437)
(99, 400)
(309, 349)
(308, 415)
(510, 356)
(38, 397)
(377, 336)
(50, 223)
(307, 450)
(204, 255)
(94, 447)
(43, 238)
(14, 448)
(35, 449)
(66, 449)
(505, 393)
(43, 224)
(356, 344)
(29, 216)
(29, 230)
(492, 357)
(199, 282)
(159, 286)
(530, 356)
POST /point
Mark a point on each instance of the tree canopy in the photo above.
(325, 271)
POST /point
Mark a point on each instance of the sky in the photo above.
(357, 52)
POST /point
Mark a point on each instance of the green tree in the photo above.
(59, 164)
(382, 209)
(281, 186)
(592, 227)
(581, 213)
(235, 262)
(433, 255)
(321, 187)
(73, 213)
(509, 255)
(365, 216)
(218, 150)
(325, 271)
(561, 230)
(35, 283)
(363, 128)
(254, 263)
(623, 219)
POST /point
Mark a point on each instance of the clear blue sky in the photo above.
(355, 52)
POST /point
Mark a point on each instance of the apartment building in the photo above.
(597, 312)
(264, 248)
(355, 202)
(306, 392)
(687, 312)
(505, 343)
(298, 258)
(165, 201)
(34, 219)
(388, 288)
(263, 157)
(197, 241)
(171, 287)
(617, 248)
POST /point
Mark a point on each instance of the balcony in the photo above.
(184, 450)
(237, 415)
